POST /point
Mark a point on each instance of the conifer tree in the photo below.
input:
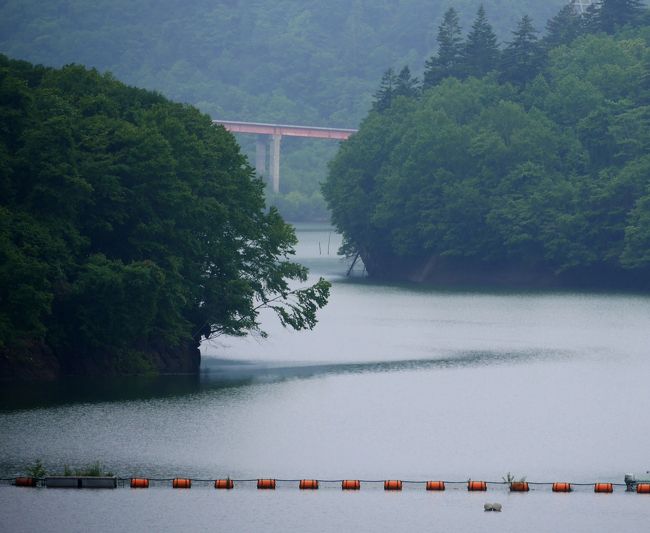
(406, 85)
(523, 57)
(590, 20)
(383, 98)
(615, 13)
(481, 51)
(563, 27)
(447, 61)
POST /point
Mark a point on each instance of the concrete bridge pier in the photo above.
(260, 155)
(275, 161)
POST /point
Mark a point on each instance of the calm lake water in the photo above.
(397, 381)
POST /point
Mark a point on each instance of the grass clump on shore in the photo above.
(92, 470)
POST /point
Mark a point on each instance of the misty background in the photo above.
(280, 61)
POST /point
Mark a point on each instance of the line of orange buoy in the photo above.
(224, 484)
(519, 486)
(266, 484)
(392, 484)
(25, 482)
(355, 484)
(604, 487)
(562, 487)
(351, 484)
(476, 485)
(182, 483)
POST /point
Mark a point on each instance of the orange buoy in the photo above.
(25, 482)
(139, 483)
(351, 484)
(476, 485)
(266, 484)
(519, 486)
(392, 484)
(224, 483)
(603, 487)
(561, 487)
(643, 488)
(309, 484)
(435, 485)
(182, 483)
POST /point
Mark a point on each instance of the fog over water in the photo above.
(396, 381)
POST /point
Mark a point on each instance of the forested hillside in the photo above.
(130, 229)
(290, 61)
(534, 171)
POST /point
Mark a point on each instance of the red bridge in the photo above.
(276, 132)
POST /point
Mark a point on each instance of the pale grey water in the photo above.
(396, 382)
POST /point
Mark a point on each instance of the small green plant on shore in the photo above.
(92, 470)
(37, 470)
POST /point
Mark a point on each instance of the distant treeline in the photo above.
(290, 61)
(130, 229)
(530, 165)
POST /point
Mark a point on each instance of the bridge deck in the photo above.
(288, 130)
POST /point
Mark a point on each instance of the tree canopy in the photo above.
(130, 226)
(541, 166)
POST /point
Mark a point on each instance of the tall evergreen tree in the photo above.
(523, 57)
(615, 13)
(563, 27)
(590, 20)
(481, 50)
(383, 98)
(406, 85)
(450, 48)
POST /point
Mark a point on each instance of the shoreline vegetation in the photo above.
(520, 165)
(130, 229)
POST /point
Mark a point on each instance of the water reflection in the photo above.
(14, 396)
(225, 370)
(227, 373)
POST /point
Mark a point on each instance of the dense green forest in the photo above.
(288, 61)
(535, 170)
(130, 229)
